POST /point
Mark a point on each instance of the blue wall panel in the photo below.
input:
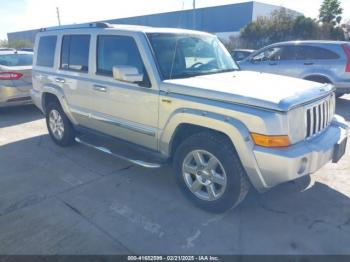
(225, 18)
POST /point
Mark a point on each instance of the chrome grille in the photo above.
(319, 115)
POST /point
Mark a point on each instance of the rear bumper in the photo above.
(36, 98)
(342, 87)
(13, 96)
(281, 165)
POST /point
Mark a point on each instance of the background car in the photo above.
(240, 54)
(319, 61)
(26, 49)
(15, 77)
(6, 49)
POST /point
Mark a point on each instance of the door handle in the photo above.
(60, 80)
(100, 88)
(308, 63)
(273, 64)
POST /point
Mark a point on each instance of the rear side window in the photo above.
(16, 60)
(46, 51)
(75, 52)
(315, 53)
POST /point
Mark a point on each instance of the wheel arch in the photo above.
(320, 78)
(189, 122)
(55, 93)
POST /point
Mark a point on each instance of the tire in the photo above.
(55, 113)
(229, 194)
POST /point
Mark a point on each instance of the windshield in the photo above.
(185, 55)
(16, 60)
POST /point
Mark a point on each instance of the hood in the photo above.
(263, 90)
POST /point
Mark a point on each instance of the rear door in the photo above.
(314, 60)
(73, 74)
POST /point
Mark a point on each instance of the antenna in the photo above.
(58, 16)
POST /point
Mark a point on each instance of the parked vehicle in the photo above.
(177, 96)
(15, 78)
(319, 61)
(240, 54)
(6, 49)
(26, 49)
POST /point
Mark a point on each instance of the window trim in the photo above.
(70, 69)
(110, 76)
(336, 55)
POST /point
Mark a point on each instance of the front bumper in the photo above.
(278, 165)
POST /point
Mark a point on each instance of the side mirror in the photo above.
(128, 74)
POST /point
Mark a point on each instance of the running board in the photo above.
(107, 151)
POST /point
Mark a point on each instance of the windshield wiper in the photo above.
(225, 70)
(188, 75)
(183, 75)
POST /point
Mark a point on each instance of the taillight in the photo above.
(10, 76)
(347, 52)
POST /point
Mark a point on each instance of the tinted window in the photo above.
(270, 54)
(289, 53)
(46, 51)
(118, 51)
(314, 52)
(75, 52)
(240, 55)
(16, 60)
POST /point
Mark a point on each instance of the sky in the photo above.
(19, 15)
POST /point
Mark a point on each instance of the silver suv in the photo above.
(319, 61)
(153, 96)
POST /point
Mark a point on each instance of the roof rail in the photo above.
(78, 26)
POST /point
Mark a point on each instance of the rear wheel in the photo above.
(209, 172)
(60, 128)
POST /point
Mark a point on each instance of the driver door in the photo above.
(266, 61)
(127, 110)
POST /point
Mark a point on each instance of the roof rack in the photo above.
(78, 26)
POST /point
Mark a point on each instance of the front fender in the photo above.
(234, 129)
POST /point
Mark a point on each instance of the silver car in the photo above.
(319, 61)
(240, 54)
(15, 77)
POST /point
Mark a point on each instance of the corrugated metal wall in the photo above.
(226, 18)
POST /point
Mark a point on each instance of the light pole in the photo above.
(58, 16)
(194, 14)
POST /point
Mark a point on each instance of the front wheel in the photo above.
(209, 172)
(59, 126)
